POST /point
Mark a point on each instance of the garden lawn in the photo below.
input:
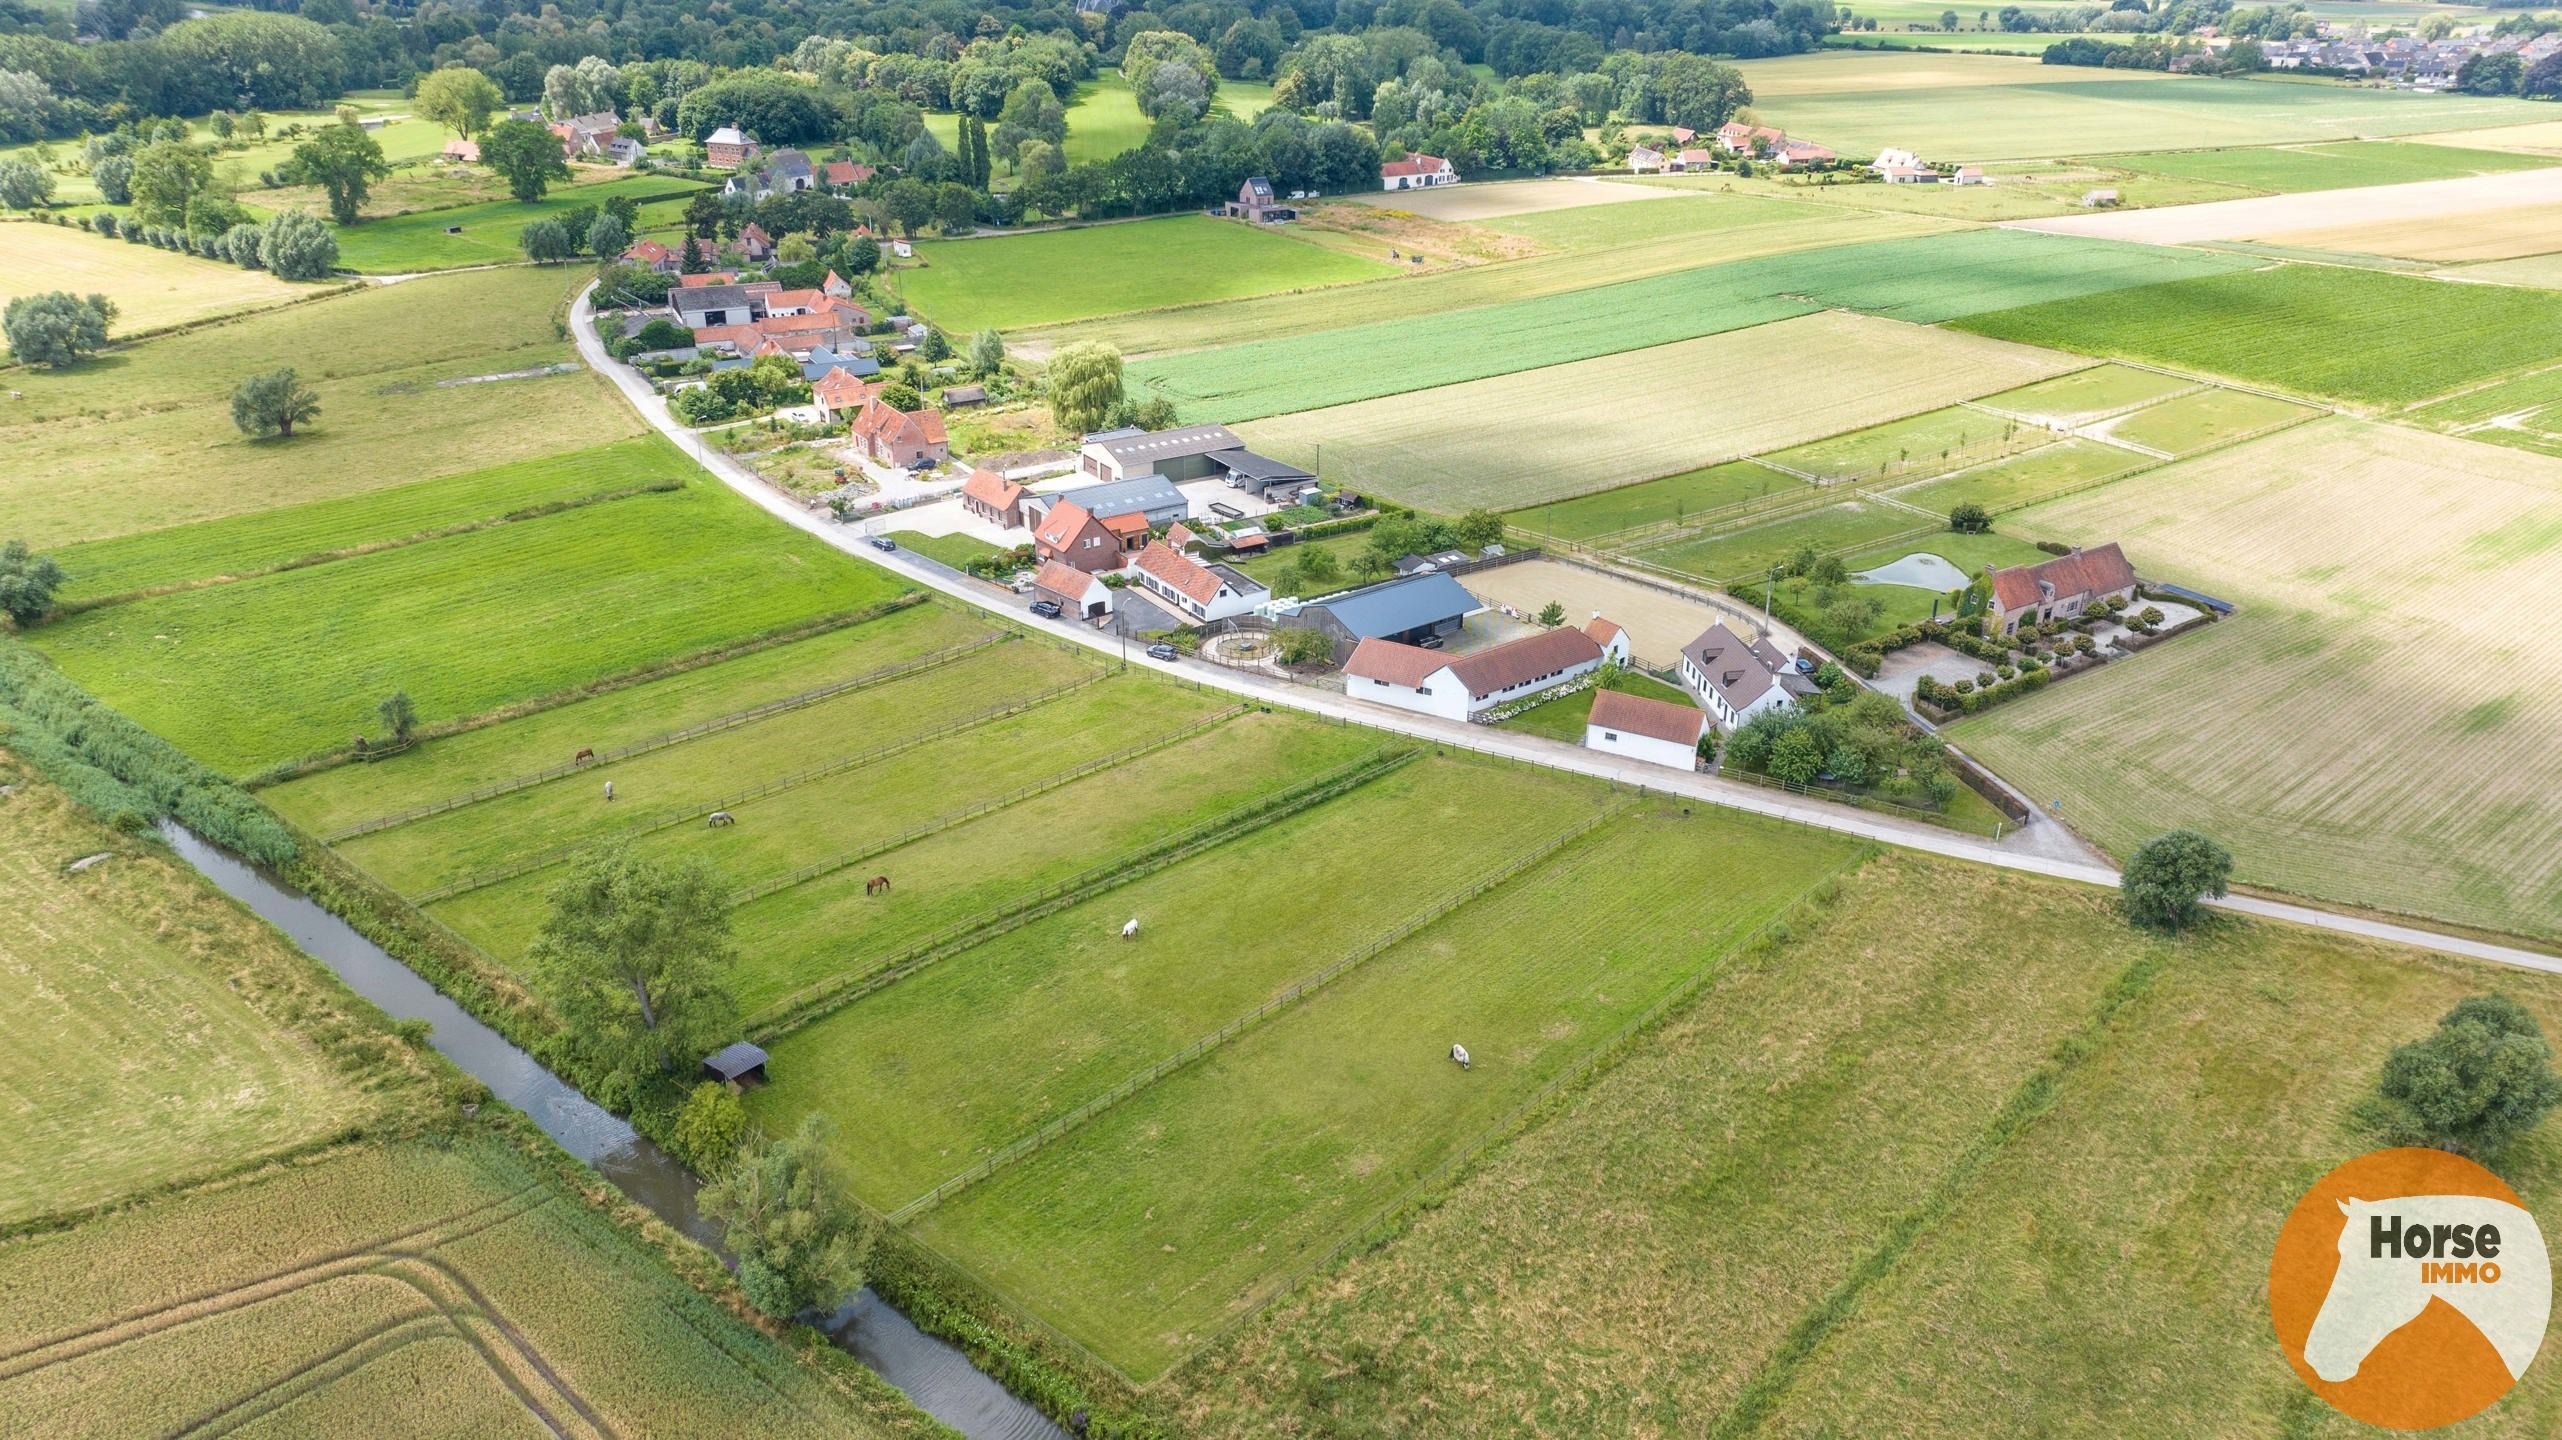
(2308, 328)
(1055, 275)
(2347, 165)
(277, 668)
(1518, 441)
(683, 781)
(1926, 280)
(2025, 478)
(1748, 553)
(1666, 501)
(2204, 419)
(932, 1074)
(141, 438)
(151, 286)
(491, 233)
(253, 544)
(2367, 760)
(1186, 1208)
(1564, 718)
(956, 551)
(152, 1021)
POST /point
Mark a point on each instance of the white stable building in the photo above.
(1658, 732)
(1460, 687)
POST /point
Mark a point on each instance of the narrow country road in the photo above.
(2025, 851)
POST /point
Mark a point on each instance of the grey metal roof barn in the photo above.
(1153, 495)
(737, 1063)
(1151, 449)
(1407, 610)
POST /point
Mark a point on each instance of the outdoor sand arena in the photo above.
(2380, 724)
(1658, 622)
(1513, 197)
(2266, 215)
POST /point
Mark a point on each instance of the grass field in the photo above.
(151, 287)
(1745, 554)
(147, 1013)
(1126, 1233)
(489, 232)
(279, 667)
(2348, 165)
(2525, 412)
(416, 1289)
(1103, 120)
(2527, 230)
(141, 438)
(251, 544)
(953, 550)
(2542, 271)
(2203, 419)
(1985, 107)
(1670, 499)
(931, 1074)
(1564, 718)
(1924, 280)
(1507, 205)
(2021, 478)
(1926, 444)
(2018, 190)
(1056, 275)
(2357, 764)
(1752, 1180)
(2088, 395)
(1520, 440)
(2304, 328)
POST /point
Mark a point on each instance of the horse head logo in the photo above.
(2482, 1256)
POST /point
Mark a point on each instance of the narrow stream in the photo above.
(938, 1378)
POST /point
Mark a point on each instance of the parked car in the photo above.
(1163, 651)
(1223, 508)
(883, 542)
(1046, 609)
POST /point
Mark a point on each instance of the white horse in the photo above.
(1131, 930)
(2391, 1254)
(1460, 1054)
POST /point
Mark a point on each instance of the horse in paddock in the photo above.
(1131, 930)
(877, 885)
(586, 754)
(721, 818)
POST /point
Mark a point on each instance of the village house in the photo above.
(1646, 160)
(1902, 167)
(1074, 535)
(1422, 610)
(2058, 589)
(1417, 171)
(728, 148)
(841, 393)
(1737, 138)
(993, 498)
(702, 307)
(845, 174)
(462, 152)
(1612, 640)
(895, 438)
(1460, 687)
(1658, 732)
(1255, 202)
(1693, 160)
(1201, 592)
(1739, 680)
(650, 255)
(1079, 594)
(785, 172)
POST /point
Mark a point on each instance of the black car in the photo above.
(883, 542)
(1163, 651)
(1046, 609)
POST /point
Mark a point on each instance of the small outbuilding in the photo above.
(1658, 732)
(739, 1064)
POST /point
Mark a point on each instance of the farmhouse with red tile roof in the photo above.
(1073, 535)
(1203, 592)
(2059, 588)
(1417, 171)
(993, 498)
(897, 438)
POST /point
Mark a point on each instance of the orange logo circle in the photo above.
(2410, 1288)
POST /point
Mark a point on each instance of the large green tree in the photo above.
(24, 184)
(56, 328)
(2483, 1078)
(2169, 877)
(27, 583)
(461, 100)
(344, 162)
(166, 175)
(526, 155)
(297, 246)
(273, 403)
(801, 1245)
(635, 956)
(1085, 385)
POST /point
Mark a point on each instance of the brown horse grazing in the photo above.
(877, 885)
(582, 755)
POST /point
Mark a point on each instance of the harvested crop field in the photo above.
(1050, 276)
(2266, 215)
(1509, 198)
(2310, 329)
(2476, 235)
(1520, 440)
(151, 286)
(1658, 623)
(2366, 760)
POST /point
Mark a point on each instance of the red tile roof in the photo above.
(2084, 572)
(1603, 631)
(1063, 524)
(1518, 662)
(1415, 163)
(1179, 571)
(1179, 535)
(846, 172)
(707, 277)
(879, 421)
(1063, 580)
(798, 299)
(1127, 525)
(989, 488)
(1394, 662)
(1654, 719)
(842, 390)
(649, 252)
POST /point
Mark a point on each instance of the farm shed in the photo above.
(1409, 611)
(1658, 732)
(739, 1064)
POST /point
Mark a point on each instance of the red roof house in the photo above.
(993, 498)
(2060, 588)
(897, 438)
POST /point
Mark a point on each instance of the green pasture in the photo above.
(271, 669)
(2340, 166)
(141, 437)
(681, 781)
(1749, 552)
(933, 1073)
(1930, 443)
(1712, 220)
(1564, 717)
(1054, 275)
(453, 765)
(2524, 413)
(1671, 498)
(266, 540)
(1103, 120)
(2085, 395)
(1963, 41)
(956, 551)
(1189, 1206)
(2316, 330)
(486, 234)
(2203, 419)
(2019, 479)
(1926, 280)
